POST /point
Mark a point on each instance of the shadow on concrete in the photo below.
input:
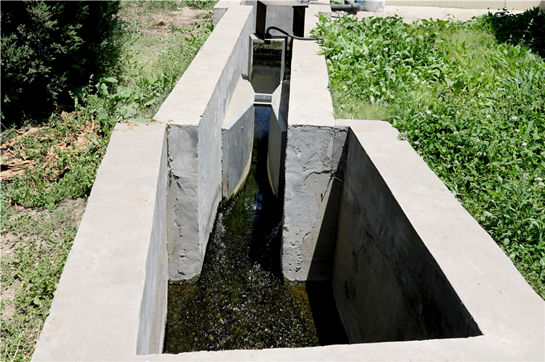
(324, 311)
(321, 267)
(319, 287)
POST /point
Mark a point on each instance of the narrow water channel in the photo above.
(240, 300)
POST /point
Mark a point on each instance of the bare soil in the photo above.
(73, 212)
(161, 24)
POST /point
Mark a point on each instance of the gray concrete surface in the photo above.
(105, 308)
(471, 4)
(507, 311)
(387, 285)
(411, 13)
(314, 148)
(310, 201)
(110, 302)
(196, 108)
(237, 138)
(276, 152)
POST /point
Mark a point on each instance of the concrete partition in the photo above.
(313, 156)
(195, 110)
(237, 138)
(276, 153)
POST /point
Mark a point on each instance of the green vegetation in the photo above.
(472, 107)
(31, 268)
(50, 48)
(65, 151)
(46, 164)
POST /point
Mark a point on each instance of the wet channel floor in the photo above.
(240, 300)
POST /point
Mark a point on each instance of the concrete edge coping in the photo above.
(96, 312)
(310, 100)
(504, 306)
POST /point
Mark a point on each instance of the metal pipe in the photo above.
(348, 6)
(268, 35)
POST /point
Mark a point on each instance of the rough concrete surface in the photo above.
(197, 107)
(310, 201)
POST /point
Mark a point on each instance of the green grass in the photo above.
(32, 262)
(65, 153)
(472, 107)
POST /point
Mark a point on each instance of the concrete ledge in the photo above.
(310, 101)
(313, 152)
(110, 303)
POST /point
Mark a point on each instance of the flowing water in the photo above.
(240, 300)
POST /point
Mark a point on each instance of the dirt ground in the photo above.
(71, 212)
(160, 24)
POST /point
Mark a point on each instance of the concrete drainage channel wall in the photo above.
(407, 262)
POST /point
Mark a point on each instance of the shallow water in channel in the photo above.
(240, 300)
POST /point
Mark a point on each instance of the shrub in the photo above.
(527, 29)
(51, 48)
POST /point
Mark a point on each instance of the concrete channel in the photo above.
(410, 268)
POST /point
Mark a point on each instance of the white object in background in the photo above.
(374, 5)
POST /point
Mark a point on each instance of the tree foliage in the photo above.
(51, 48)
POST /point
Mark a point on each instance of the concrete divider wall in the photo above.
(276, 155)
(196, 109)
(276, 148)
(313, 154)
(238, 138)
